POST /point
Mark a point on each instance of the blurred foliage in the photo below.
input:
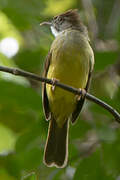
(94, 146)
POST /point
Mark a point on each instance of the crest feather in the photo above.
(73, 17)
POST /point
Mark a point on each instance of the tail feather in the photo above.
(56, 149)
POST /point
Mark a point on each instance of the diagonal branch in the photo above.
(71, 89)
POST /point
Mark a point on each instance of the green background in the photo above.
(94, 141)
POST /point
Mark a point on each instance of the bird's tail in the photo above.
(56, 149)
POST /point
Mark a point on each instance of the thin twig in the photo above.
(71, 89)
(113, 19)
(91, 18)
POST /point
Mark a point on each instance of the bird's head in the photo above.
(69, 19)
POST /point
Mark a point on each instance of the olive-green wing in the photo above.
(80, 103)
(45, 100)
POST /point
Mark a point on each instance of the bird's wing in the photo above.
(80, 103)
(45, 100)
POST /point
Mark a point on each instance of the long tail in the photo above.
(56, 149)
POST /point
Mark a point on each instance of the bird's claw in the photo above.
(83, 93)
(54, 83)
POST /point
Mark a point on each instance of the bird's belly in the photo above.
(70, 68)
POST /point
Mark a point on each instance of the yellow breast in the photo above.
(69, 65)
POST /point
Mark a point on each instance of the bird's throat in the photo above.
(54, 31)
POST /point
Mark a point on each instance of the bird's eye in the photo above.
(55, 18)
(58, 20)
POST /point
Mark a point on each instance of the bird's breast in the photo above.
(70, 61)
(70, 65)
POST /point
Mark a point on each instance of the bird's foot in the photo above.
(81, 95)
(54, 81)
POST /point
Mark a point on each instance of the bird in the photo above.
(70, 60)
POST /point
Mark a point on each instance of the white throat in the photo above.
(54, 31)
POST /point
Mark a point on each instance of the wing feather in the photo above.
(45, 100)
(80, 103)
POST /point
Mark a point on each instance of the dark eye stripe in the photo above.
(55, 17)
(58, 20)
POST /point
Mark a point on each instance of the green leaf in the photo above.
(5, 176)
(4, 61)
(32, 176)
(110, 154)
(104, 59)
(22, 13)
(61, 6)
(34, 137)
(8, 30)
(91, 168)
(31, 159)
(79, 129)
(8, 140)
(20, 106)
(31, 61)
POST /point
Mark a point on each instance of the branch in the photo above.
(82, 92)
(91, 19)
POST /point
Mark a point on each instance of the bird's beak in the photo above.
(45, 23)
